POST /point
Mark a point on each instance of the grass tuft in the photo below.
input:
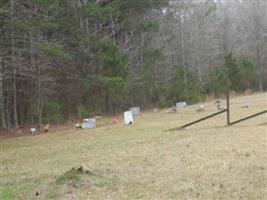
(73, 175)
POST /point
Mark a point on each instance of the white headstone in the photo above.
(128, 117)
(89, 123)
(135, 111)
(181, 104)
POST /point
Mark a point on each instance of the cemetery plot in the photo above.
(207, 161)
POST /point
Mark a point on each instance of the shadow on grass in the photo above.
(214, 127)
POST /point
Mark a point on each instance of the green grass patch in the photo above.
(73, 175)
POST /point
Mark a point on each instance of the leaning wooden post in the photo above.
(228, 108)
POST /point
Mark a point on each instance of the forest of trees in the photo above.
(64, 59)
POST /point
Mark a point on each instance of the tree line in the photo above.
(64, 59)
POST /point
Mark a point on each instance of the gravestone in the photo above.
(128, 117)
(46, 128)
(200, 109)
(181, 104)
(89, 123)
(33, 131)
(218, 104)
(135, 111)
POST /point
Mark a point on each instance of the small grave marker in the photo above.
(33, 131)
(89, 123)
(135, 111)
(128, 117)
(201, 108)
(181, 104)
(46, 128)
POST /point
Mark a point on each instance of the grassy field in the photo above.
(144, 161)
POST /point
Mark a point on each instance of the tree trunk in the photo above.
(39, 100)
(8, 117)
(197, 53)
(182, 48)
(258, 47)
(15, 114)
(259, 69)
(2, 102)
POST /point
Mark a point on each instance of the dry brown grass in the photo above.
(144, 161)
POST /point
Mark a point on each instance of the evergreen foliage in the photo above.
(64, 59)
(52, 112)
